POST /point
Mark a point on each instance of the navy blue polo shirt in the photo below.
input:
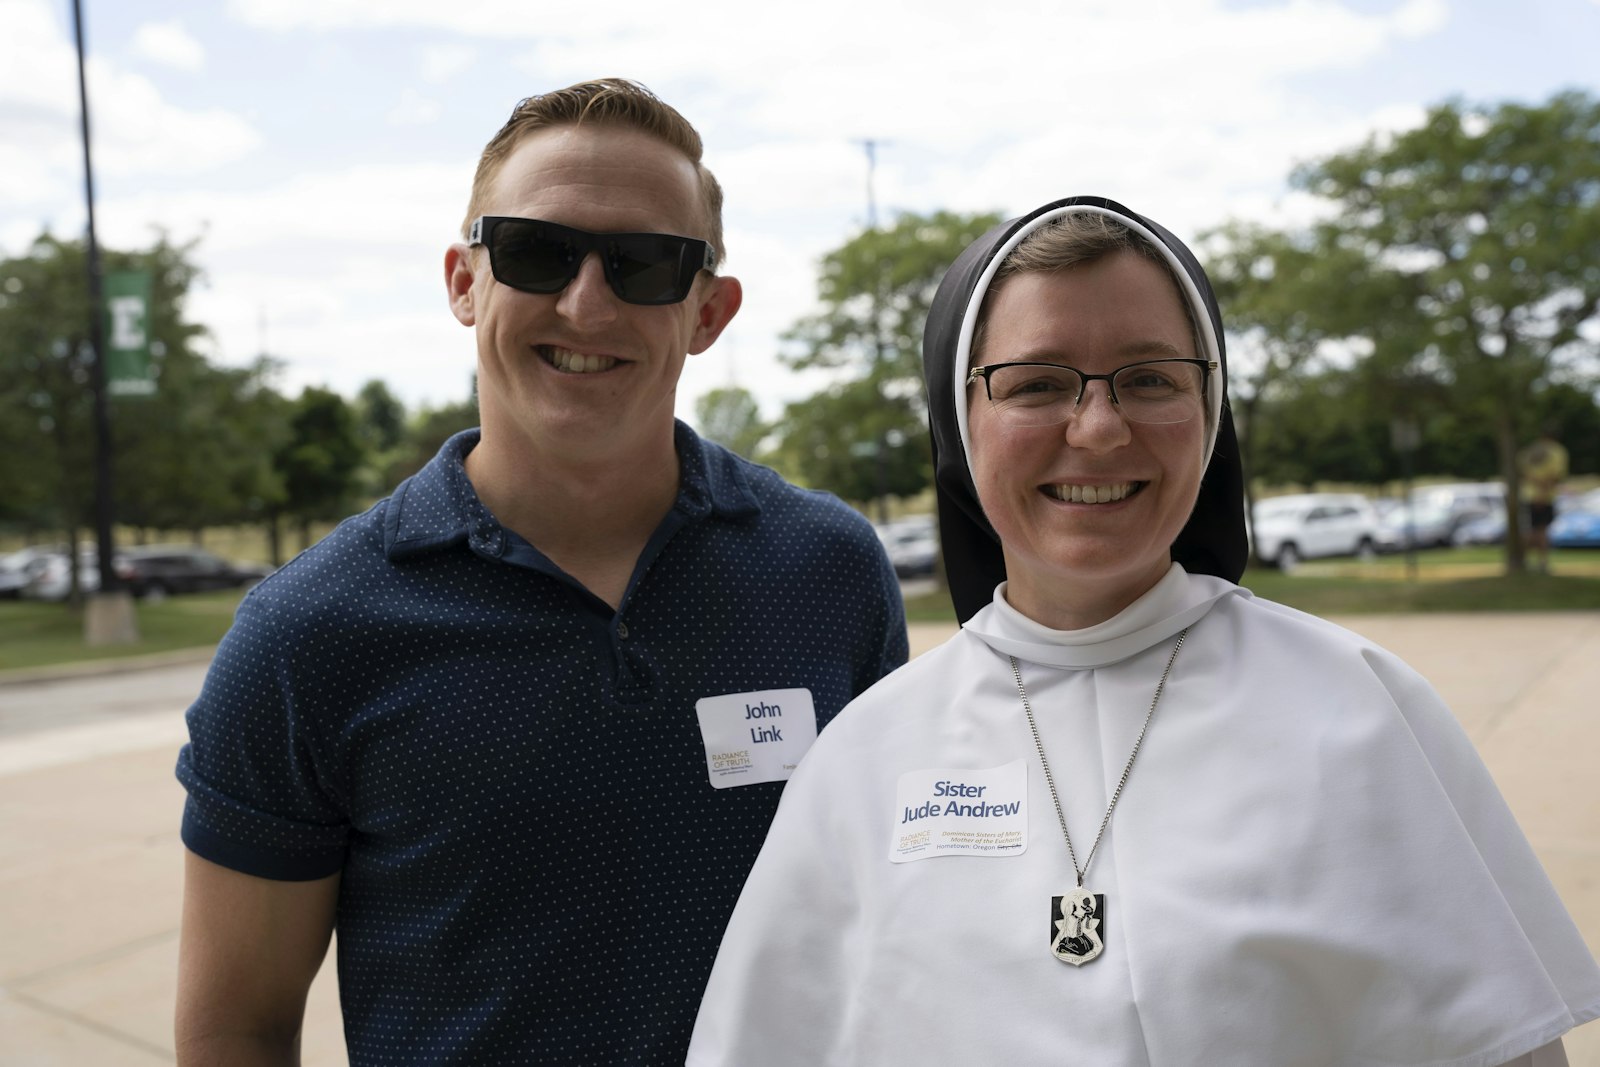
(510, 774)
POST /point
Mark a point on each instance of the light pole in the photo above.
(109, 619)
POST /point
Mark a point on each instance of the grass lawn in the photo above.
(1447, 579)
(37, 634)
(34, 634)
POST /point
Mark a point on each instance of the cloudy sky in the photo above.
(321, 150)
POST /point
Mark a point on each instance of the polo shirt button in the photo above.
(622, 630)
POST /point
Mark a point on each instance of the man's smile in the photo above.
(564, 359)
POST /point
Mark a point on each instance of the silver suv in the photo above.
(1289, 529)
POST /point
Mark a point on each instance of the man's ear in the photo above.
(717, 309)
(458, 278)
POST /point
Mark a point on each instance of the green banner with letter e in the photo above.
(128, 333)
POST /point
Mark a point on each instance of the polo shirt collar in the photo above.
(437, 507)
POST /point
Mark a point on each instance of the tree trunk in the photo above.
(274, 540)
(1506, 444)
(1244, 433)
(74, 576)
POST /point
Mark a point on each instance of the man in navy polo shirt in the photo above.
(519, 729)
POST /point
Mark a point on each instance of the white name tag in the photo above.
(961, 812)
(756, 737)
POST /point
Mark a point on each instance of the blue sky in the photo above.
(322, 149)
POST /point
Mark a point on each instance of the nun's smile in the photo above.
(1086, 510)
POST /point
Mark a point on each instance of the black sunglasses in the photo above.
(542, 257)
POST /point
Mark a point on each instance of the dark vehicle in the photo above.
(157, 570)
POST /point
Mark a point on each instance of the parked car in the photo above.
(1415, 523)
(50, 575)
(912, 545)
(1577, 525)
(1486, 529)
(1461, 501)
(1307, 525)
(157, 570)
(17, 569)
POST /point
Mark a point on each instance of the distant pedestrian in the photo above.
(1544, 466)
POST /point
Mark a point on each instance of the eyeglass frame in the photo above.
(1206, 366)
(585, 242)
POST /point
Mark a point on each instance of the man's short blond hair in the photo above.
(604, 102)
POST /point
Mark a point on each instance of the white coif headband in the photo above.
(969, 321)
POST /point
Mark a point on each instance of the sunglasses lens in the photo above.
(651, 269)
(641, 268)
(532, 257)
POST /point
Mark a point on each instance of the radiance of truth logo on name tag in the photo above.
(756, 737)
(961, 812)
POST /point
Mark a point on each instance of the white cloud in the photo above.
(1193, 110)
(345, 268)
(135, 130)
(170, 45)
(441, 62)
(413, 109)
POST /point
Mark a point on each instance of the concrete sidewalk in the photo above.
(91, 864)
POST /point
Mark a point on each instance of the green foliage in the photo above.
(429, 429)
(1488, 221)
(875, 290)
(190, 455)
(319, 459)
(731, 417)
(832, 441)
(380, 417)
(1454, 284)
(866, 435)
(381, 425)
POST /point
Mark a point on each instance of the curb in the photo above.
(112, 665)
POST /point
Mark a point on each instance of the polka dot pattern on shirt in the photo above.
(509, 774)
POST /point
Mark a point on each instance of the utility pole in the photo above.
(109, 619)
(881, 446)
(871, 146)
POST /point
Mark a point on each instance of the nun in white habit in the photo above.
(1131, 814)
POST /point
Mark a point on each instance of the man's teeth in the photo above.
(1092, 494)
(578, 363)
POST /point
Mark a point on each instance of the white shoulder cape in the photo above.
(1309, 865)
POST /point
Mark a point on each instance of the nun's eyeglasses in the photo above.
(1153, 391)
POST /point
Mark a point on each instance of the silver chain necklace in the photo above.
(1077, 918)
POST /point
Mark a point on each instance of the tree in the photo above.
(380, 416)
(875, 290)
(1322, 430)
(847, 440)
(1266, 284)
(187, 456)
(427, 432)
(381, 424)
(731, 417)
(319, 460)
(1487, 220)
(45, 362)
